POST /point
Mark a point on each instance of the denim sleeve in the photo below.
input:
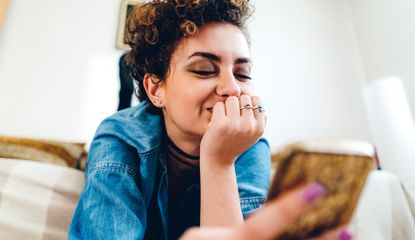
(253, 175)
(111, 205)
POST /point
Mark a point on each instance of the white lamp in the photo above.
(392, 128)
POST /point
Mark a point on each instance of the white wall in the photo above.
(386, 39)
(308, 70)
(49, 52)
(58, 68)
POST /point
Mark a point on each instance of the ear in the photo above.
(155, 89)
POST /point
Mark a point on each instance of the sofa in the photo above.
(37, 198)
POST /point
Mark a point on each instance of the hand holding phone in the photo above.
(341, 166)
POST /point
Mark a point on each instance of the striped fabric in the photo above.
(37, 200)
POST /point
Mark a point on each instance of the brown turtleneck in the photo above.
(183, 171)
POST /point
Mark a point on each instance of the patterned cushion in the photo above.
(61, 153)
(37, 200)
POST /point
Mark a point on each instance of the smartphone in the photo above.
(341, 166)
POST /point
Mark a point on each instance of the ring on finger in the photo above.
(246, 107)
(258, 107)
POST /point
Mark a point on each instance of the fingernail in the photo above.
(313, 192)
(344, 235)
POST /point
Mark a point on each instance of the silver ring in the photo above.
(246, 106)
(259, 107)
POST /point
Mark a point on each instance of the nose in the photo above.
(228, 85)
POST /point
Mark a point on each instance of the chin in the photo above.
(200, 130)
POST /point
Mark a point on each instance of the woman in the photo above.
(191, 152)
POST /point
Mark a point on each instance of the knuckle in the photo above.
(249, 127)
(231, 99)
(221, 128)
(289, 212)
(190, 233)
(256, 99)
(245, 98)
(218, 104)
(237, 127)
(260, 131)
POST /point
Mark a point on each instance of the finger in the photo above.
(232, 107)
(246, 107)
(274, 218)
(259, 113)
(340, 233)
(218, 111)
(207, 233)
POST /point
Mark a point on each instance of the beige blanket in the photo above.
(37, 200)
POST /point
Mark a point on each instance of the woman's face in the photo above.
(204, 69)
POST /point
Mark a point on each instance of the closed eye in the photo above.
(203, 73)
(242, 77)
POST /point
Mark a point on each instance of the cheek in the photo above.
(247, 89)
(197, 91)
(188, 100)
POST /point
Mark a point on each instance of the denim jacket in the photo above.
(126, 174)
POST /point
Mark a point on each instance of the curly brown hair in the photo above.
(155, 28)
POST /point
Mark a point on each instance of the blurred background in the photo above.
(312, 62)
(325, 69)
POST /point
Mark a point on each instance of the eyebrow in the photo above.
(216, 58)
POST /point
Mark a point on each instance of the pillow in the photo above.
(37, 199)
(61, 153)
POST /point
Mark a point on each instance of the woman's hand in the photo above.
(270, 221)
(233, 129)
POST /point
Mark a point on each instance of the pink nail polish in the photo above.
(344, 235)
(313, 192)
